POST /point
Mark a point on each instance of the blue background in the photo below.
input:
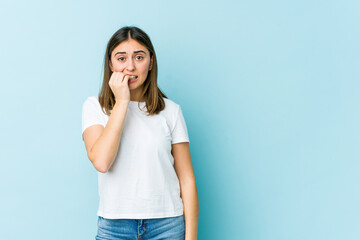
(269, 92)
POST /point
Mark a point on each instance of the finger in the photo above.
(126, 79)
(118, 78)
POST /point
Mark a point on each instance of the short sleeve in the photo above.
(91, 114)
(179, 132)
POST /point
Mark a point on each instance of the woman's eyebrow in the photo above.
(134, 52)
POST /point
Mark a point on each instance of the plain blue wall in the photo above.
(269, 91)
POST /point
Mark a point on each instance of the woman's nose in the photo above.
(130, 65)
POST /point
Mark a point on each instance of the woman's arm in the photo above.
(189, 195)
(102, 143)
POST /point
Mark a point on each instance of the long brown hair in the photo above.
(151, 93)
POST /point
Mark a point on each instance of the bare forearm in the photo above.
(190, 199)
(106, 147)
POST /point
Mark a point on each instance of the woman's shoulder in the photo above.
(170, 102)
(92, 99)
(170, 105)
(92, 102)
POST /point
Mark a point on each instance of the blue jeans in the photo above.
(155, 228)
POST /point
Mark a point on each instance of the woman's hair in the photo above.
(151, 93)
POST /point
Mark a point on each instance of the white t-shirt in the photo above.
(142, 182)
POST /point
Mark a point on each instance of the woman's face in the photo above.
(131, 58)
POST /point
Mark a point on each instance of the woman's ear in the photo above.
(151, 63)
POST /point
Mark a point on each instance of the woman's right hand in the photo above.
(119, 86)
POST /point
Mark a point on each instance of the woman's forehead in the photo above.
(129, 47)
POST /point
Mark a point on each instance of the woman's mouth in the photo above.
(132, 78)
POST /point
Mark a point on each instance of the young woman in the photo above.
(137, 140)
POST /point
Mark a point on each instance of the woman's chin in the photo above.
(134, 85)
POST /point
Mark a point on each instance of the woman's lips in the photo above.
(132, 78)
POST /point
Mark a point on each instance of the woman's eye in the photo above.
(139, 58)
